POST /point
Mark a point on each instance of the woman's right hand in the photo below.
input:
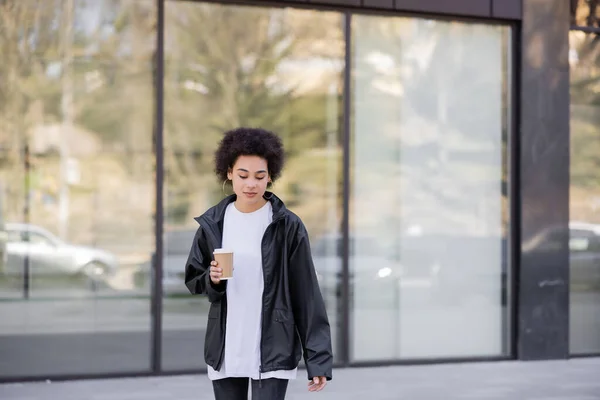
(215, 272)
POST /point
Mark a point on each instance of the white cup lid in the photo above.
(222, 251)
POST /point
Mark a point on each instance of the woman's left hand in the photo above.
(317, 383)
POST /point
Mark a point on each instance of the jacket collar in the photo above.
(216, 213)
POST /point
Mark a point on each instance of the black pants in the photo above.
(237, 389)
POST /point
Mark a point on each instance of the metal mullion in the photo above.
(157, 265)
(514, 185)
(345, 292)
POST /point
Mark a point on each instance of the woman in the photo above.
(271, 311)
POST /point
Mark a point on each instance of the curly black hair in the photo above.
(249, 142)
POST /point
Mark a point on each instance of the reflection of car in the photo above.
(46, 254)
(584, 254)
(584, 250)
(176, 248)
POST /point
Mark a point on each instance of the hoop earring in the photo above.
(224, 182)
(270, 189)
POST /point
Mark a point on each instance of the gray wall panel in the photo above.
(478, 8)
(379, 3)
(337, 2)
(543, 306)
(508, 9)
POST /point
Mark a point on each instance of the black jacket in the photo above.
(294, 319)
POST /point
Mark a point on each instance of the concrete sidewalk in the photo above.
(577, 379)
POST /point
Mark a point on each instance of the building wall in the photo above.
(428, 156)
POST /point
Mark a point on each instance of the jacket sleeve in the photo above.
(197, 270)
(308, 306)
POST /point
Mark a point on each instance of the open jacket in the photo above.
(294, 320)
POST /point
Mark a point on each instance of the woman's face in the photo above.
(249, 177)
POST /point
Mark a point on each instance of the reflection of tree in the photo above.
(225, 66)
(76, 72)
(585, 124)
(27, 35)
(218, 79)
(585, 13)
(221, 73)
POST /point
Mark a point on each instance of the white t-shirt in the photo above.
(243, 233)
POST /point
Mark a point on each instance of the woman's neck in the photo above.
(248, 208)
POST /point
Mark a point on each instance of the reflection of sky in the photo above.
(93, 24)
(89, 16)
(573, 56)
(95, 18)
(53, 70)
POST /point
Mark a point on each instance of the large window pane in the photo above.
(229, 66)
(429, 205)
(584, 241)
(76, 185)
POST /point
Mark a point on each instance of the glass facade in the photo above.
(422, 105)
(584, 244)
